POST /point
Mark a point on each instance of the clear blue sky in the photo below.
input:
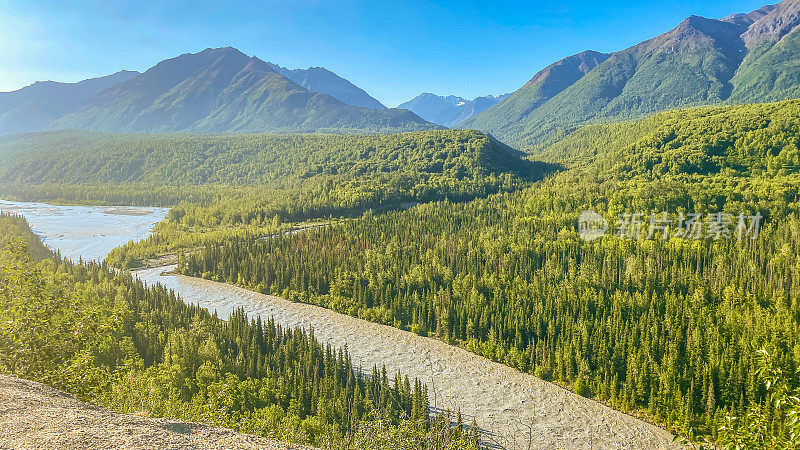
(393, 50)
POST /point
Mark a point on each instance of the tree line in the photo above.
(108, 338)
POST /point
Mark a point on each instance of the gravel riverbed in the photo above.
(515, 410)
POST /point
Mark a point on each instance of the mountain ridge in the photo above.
(324, 81)
(36, 106)
(738, 59)
(224, 90)
(449, 110)
(543, 86)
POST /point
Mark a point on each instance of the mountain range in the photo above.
(742, 58)
(216, 90)
(320, 79)
(35, 107)
(224, 90)
(449, 110)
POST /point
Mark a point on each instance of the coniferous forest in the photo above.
(695, 332)
(108, 338)
(668, 328)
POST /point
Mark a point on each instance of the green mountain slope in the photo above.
(742, 58)
(224, 90)
(35, 107)
(742, 140)
(770, 72)
(771, 69)
(320, 79)
(542, 87)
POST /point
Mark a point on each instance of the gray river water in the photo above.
(85, 232)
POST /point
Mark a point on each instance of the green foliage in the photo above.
(773, 423)
(13, 228)
(106, 337)
(382, 435)
(227, 185)
(294, 176)
(245, 160)
(665, 329)
(747, 140)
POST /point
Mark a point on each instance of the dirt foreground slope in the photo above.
(36, 416)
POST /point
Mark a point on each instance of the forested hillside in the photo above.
(754, 139)
(235, 184)
(743, 58)
(247, 160)
(670, 327)
(106, 337)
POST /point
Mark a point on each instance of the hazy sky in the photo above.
(393, 50)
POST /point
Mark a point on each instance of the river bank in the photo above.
(515, 409)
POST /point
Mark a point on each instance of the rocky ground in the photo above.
(36, 416)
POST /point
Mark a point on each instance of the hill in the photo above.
(449, 110)
(224, 90)
(320, 79)
(250, 184)
(737, 140)
(34, 415)
(35, 107)
(246, 160)
(739, 59)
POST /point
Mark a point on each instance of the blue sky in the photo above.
(393, 50)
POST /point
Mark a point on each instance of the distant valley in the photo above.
(449, 110)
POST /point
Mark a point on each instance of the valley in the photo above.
(608, 256)
(514, 410)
